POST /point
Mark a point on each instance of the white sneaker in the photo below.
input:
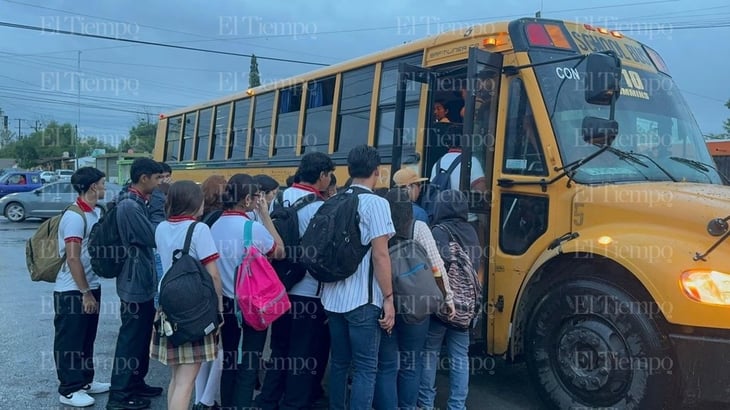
(77, 399)
(96, 388)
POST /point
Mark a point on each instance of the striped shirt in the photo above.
(349, 294)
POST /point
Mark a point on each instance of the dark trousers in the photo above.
(132, 355)
(238, 381)
(73, 342)
(299, 350)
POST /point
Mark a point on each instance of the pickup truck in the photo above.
(19, 181)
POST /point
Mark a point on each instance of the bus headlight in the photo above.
(707, 286)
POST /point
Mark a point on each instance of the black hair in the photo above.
(333, 180)
(144, 166)
(84, 178)
(239, 187)
(290, 180)
(362, 161)
(183, 198)
(401, 211)
(312, 166)
(166, 168)
(266, 182)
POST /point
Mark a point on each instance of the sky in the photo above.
(121, 82)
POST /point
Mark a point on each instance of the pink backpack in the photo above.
(260, 294)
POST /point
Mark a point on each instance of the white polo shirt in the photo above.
(71, 229)
(170, 236)
(477, 172)
(349, 294)
(227, 234)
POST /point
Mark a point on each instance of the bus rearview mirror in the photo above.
(599, 131)
(603, 78)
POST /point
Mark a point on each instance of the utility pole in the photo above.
(78, 107)
(19, 134)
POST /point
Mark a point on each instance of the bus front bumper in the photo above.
(704, 363)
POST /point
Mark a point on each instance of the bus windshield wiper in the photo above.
(700, 166)
(661, 168)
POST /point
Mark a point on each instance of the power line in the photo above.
(151, 43)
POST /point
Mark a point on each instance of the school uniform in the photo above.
(238, 380)
(75, 331)
(170, 236)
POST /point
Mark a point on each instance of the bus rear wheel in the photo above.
(591, 344)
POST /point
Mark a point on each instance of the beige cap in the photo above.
(407, 176)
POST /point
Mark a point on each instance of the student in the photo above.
(242, 196)
(208, 380)
(298, 336)
(77, 294)
(440, 112)
(399, 376)
(157, 199)
(269, 190)
(451, 212)
(410, 180)
(183, 206)
(331, 188)
(136, 287)
(359, 306)
(213, 188)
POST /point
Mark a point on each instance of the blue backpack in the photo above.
(441, 182)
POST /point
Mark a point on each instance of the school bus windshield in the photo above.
(653, 119)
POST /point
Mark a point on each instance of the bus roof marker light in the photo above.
(538, 36)
(602, 30)
(557, 36)
(489, 42)
(617, 34)
(588, 27)
(249, 91)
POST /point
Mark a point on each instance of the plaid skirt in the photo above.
(197, 351)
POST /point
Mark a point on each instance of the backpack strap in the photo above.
(453, 165)
(247, 233)
(413, 228)
(189, 238)
(304, 201)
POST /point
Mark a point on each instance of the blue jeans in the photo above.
(355, 342)
(457, 345)
(396, 385)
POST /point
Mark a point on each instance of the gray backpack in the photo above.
(416, 293)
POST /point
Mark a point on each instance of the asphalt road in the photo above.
(26, 360)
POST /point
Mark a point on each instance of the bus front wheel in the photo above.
(592, 344)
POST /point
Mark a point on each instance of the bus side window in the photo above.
(523, 152)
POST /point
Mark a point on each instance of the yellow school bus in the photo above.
(602, 225)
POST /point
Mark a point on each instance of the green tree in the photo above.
(254, 79)
(141, 137)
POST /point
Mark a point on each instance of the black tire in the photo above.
(591, 344)
(15, 212)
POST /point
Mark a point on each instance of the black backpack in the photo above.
(331, 244)
(105, 246)
(286, 222)
(187, 297)
(210, 218)
(417, 295)
(441, 182)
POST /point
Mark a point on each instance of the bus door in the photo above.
(410, 79)
(483, 79)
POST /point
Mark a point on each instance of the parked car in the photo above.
(46, 201)
(48, 176)
(19, 181)
(64, 175)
